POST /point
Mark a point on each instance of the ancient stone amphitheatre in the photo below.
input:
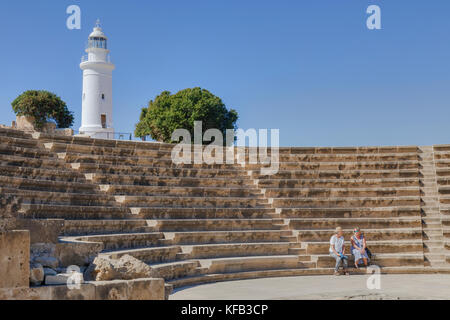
(151, 226)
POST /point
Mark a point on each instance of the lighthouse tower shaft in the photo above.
(97, 103)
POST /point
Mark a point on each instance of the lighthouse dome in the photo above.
(97, 39)
(97, 33)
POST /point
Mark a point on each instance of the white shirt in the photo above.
(338, 243)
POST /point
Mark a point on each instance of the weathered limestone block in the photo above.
(14, 259)
(146, 289)
(37, 293)
(36, 274)
(26, 123)
(86, 291)
(41, 231)
(77, 253)
(49, 262)
(73, 279)
(126, 268)
(139, 289)
(49, 272)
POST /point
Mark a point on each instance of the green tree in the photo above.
(43, 106)
(169, 112)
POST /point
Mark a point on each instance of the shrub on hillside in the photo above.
(169, 112)
(43, 106)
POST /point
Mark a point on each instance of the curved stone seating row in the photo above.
(173, 253)
(344, 157)
(201, 223)
(340, 192)
(27, 162)
(349, 223)
(337, 174)
(378, 246)
(49, 185)
(298, 166)
(200, 191)
(342, 202)
(144, 180)
(275, 184)
(350, 212)
(150, 170)
(138, 161)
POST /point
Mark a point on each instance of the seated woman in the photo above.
(359, 247)
(337, 251)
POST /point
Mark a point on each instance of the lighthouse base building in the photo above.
(97, 103)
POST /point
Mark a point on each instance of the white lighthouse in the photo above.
(97, 106)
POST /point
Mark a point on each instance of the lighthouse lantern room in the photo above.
(97, 112)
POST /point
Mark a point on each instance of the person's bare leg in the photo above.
(357, 263)
(365, 261)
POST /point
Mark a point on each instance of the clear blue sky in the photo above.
(309, 68)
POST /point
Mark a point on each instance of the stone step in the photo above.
(444, 190)
(341, 192)
(442, 147)
(43, 162)
(383, 260)
(339, 174)
(105, 149)
(345, 202)
(23, 151)
(156, 239)
(185, 201)
(47, 185)
(349, 157)
(139, 161)
(376, 247)
(442, 173)
(201, 213)
(433, 233)
(444, 199)
(50, 197)
(347, 150)
(351, 212)
(210, 237)
(372, 234)
(342, 166)
(175, 225)
(250, 193)
(348, 223)
(176, 270)
(98, 227)
(434, 257)
(25, 142)
(445, 163)
(337, 183)
(297, 251)
(120, 240)
(168, 181)
(206, 251)
(101, 168)
(14, 133)
(54, 211)
(237, 264)
(41, 174)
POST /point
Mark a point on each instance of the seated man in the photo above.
(337, 251)
(359, 247)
